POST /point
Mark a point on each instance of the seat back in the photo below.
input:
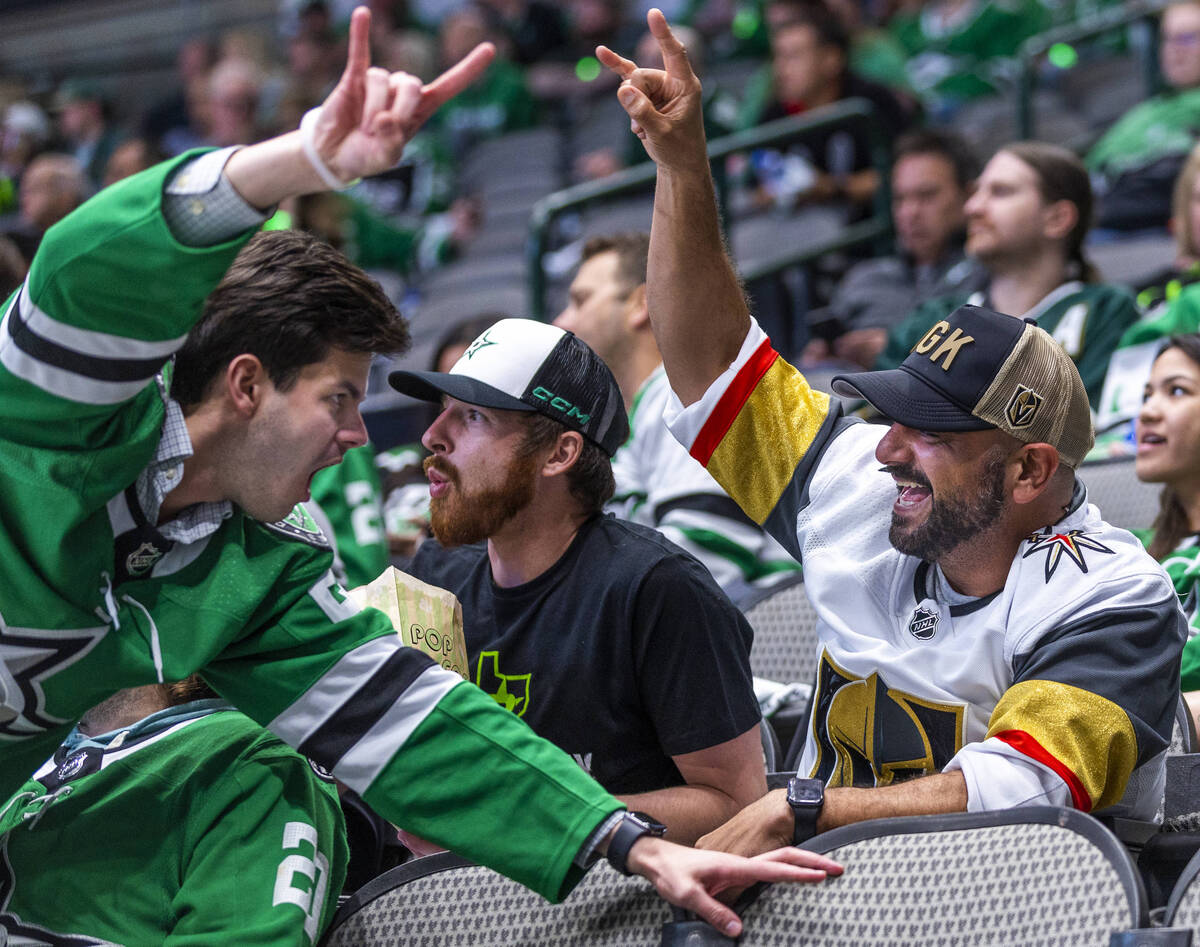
(1040, 875)
(1183, 907)
(445, 899)
(785, 634)
(1122, 498)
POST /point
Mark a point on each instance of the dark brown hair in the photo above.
(1062, 177)
(590, 478)
(1171, 524)
(288, 299)
(632, 249)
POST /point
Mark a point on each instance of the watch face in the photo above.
(805, 792)
(653, 826)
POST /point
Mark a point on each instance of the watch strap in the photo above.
(633, 826)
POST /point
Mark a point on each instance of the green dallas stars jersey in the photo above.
(209, 830)
(110, 296)
(351, 497)
(1183, 566)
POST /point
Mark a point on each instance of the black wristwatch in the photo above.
(633, 826)
(806, 797)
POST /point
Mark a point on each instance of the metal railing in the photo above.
(850, 114)
(1035, 49)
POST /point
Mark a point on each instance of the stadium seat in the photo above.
(785, 634)
(1123, 499)
(1040, 875)
(444, 899)
(1183, 908)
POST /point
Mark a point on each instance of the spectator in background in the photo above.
(85, 124)
(960, 50)
(173, 122)
(1135, 164)
(498, 103)
(130, 157)
(1168, 452)
(25, 132)
(533, 28)
(1026, 223)
(809, 52)
(210, 829)
(607, 640)
(1169, 304)
(932, 175)
(53, 185)
(234, 87)
(658, 484)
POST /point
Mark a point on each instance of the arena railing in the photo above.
(1142, 14)
(851, 114)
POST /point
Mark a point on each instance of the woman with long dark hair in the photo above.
(1168, 452)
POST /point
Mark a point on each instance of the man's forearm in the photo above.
(687, 811)
(938, 794)
(696, 304)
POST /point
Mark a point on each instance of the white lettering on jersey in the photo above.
(1069, 331)
(364, 518)
(303, 875)
(328, 593)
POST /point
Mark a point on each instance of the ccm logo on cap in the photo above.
(950, 344)
(561, 404)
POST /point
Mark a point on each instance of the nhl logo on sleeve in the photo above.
(923, 624)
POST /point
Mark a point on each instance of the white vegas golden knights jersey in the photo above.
(1058, 689)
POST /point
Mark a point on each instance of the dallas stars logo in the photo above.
(28, 656)
(1071, 544)
(480, 343)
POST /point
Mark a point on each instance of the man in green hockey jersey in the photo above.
(151, 531)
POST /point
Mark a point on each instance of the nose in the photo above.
(893, 447)
(1150, 410)
(354, 434)
(974, 203)
(565, 318)
(435, 438)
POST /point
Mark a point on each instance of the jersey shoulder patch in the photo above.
(300, 525)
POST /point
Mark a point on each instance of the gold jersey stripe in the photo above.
(1089, 736)
(768, 439)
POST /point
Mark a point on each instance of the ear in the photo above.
(1059, 218)
(1037, 464)
(245, 383)
(565, 453)
(637, 313)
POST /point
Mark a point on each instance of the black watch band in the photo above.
(633, 826)
(806, 797)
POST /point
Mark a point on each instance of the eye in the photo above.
(1176, 391)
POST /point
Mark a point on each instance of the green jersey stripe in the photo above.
(89, 342)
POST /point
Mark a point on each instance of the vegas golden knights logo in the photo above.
(1023, 407)
(869, 734)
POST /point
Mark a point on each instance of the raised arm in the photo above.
(362, 127)
(696, 303)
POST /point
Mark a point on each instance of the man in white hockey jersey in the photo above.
(658, 484)
(981, 627)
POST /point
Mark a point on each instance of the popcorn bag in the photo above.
(426, 617)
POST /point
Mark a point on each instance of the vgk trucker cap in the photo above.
(979, 369)
(523, 365)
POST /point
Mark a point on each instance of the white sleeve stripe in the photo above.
(89, 343)
(364, 761)
(321, 701)
(63, 383)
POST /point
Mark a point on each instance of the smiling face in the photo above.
(479, 476)
(297, 432)
(951, 488)
(1168, 427)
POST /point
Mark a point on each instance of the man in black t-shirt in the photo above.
(603, 636)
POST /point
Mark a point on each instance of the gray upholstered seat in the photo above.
(443, 900)
(785, 635)
(1035, 876)
(1123, 500)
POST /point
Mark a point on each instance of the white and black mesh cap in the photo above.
(523, 365)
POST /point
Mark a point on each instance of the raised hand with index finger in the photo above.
(664, 105)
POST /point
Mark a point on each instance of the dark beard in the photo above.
(952, 519)
(461, 519)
